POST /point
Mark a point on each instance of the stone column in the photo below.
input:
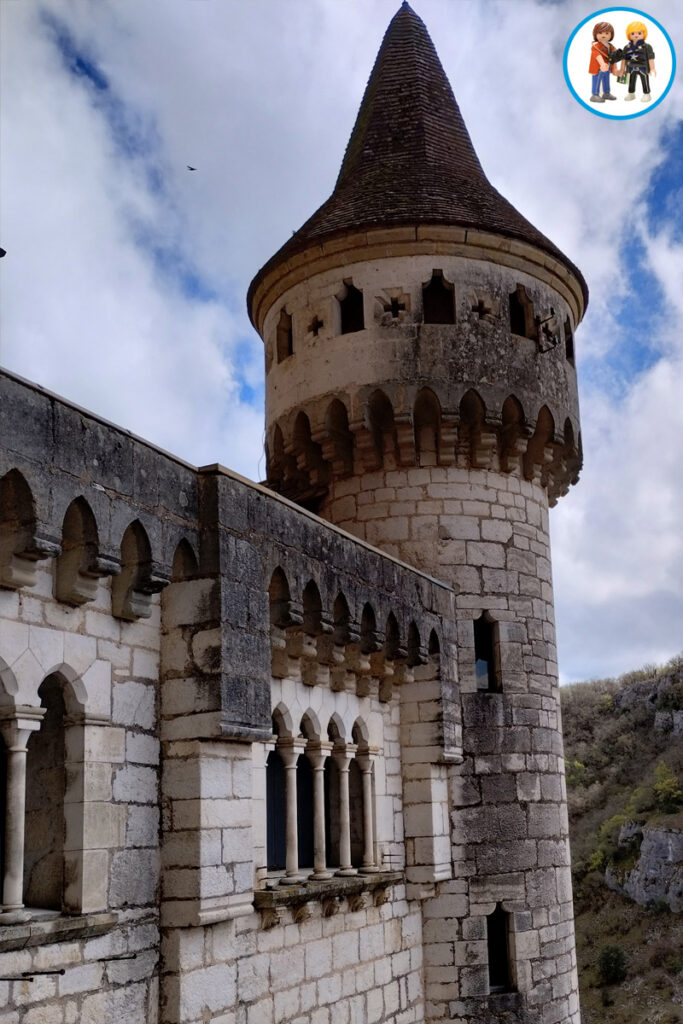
(15, 732)
(343, 759)
(365, 763)
(290, 749)
(317, 753)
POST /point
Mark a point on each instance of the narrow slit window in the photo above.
(351, 308)
(285, 337)
(485, 668)
(568, 341)
(498, 941)
(438, 300)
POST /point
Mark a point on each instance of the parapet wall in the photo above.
(137, 617)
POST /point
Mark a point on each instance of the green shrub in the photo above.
(668, 793)
(612, 965)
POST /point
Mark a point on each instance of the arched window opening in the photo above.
(392, 645)
(276, 837)
(427, 420)
(76, 578)
(381, 423)
(415, 652)
(485, 660)
(131, 590)
(337, 427)
(184, 563)
(17, 531)
(522, 319)
(356, 813)
(284, 337)
(280, 600)
(304, 808)
(369, 637)
(351, 310)
(434, 647)
(45, 783)
(568, 341)
(498, 938)
(332, 830)
(313, 608)
(438, 300)
(341, 617)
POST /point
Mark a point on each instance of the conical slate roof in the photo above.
(410, 159)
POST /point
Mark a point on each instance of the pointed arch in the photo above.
(415, 653)
(336, 730)
(76, 576)
(185, 565)
(130, 589)
(513, 428)
(313, 609)
(280, 598)
(427, 426)
(341, 619)
(380, 416)
(392, 643)
(341, 438)
(543, 434)
(310, 725)
(434, 647)
(369, 637)
(17, 530)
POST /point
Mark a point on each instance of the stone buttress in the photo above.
(421, 394)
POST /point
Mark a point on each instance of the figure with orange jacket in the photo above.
(599, 67)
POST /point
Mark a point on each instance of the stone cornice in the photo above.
(426, 239)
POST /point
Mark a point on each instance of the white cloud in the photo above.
(261, 99)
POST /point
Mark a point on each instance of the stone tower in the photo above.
(421, 393)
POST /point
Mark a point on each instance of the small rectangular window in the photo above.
(485, 655)
(498, 941)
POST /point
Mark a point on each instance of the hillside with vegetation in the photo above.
(624, 760)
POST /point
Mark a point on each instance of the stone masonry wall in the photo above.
(109, 967)
(487, 534)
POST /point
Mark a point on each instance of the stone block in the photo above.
(134, 705)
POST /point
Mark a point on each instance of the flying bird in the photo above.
(191, 168)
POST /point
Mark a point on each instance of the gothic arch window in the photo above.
(284, 337)
(76, 578)
(352, 317)
(356, 809)
(276, 843)
(500, 947)
(44, 834)
(438, 300)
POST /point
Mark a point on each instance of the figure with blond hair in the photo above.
(599, 67)
(639, 61)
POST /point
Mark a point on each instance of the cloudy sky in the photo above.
(123, 288)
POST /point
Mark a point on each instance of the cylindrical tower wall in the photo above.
(443, 443)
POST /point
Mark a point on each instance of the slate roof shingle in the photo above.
(410, 159)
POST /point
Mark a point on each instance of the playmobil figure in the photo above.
(638, 60)
(599, 66)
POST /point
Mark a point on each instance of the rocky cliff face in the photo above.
(657, 875)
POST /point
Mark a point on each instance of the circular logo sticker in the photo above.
(619, 63)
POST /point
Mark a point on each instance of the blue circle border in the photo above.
(591, 109)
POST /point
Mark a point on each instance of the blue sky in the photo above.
(124, 285)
